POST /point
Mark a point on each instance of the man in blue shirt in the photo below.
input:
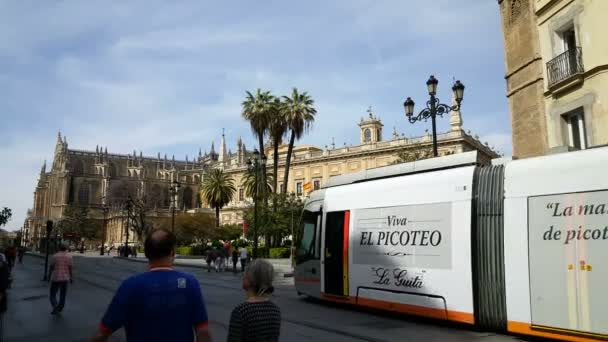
(159, 305)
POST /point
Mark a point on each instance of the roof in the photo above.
(424, 165)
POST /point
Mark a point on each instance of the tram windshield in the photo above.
(306, 249)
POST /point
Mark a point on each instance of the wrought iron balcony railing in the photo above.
(565, 65)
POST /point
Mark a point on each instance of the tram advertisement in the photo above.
(568, 240)
(417, 236)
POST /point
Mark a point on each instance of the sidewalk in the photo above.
(282, 267)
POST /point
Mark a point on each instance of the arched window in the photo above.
(78, 168)
(83, 194)
(113, 170)
(166, 197)
(155, 196)
(187, 198)
(367, 135)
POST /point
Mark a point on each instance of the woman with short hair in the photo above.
(257, 319)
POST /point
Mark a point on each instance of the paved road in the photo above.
(96, 279)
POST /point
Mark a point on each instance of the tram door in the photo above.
(334, 253)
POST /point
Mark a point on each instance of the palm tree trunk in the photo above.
(217, 217)
(275, 165)
(292, 139)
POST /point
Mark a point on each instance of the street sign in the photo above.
(307, 186)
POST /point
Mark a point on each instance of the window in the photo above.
(576, 130)
(83, 194)
(306, 248)
(316, 184)
(367, 135)
(299, 188)
(241, 194)
(569, 38)
(281, 187)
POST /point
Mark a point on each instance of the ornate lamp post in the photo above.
(433, 107)
(174, 190)
(105, 224)
(255, 165)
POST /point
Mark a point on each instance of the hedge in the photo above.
(185, 250)
(279, 253)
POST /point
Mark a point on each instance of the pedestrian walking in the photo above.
(4, 286)
(209, 259)
(258, 318)
(20, 253)
(235, 259)
(11, 255)
(159, 305)
(219, 259)
(61, 272)
(243, 251)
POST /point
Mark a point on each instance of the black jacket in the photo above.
(4, 283)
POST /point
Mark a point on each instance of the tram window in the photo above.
(306, 249)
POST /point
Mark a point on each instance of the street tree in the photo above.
(77, 224)
(254, 186)
(218, 190)
(5, 216)
(276, 130)
(300, 114)
(229, 232)
(192, 228)
(257, 109)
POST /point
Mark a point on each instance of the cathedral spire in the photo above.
(43, 169)
(223, 157)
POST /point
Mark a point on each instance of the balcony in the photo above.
(565, 66)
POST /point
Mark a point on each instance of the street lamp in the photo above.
(433, 107)
(254, 166)
(105, 224)
(174, 190)
(49, 228)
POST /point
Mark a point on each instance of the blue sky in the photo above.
(163, 76)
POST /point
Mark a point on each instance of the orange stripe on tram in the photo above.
(558, 334)
(345, 252)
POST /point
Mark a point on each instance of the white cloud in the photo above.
(149, 76)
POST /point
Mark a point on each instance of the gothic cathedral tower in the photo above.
(524, 75)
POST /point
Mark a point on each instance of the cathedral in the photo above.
(100, 179)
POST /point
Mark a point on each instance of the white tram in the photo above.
(519, 246)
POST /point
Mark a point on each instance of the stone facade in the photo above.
(557, 74)
(524, 75)
(97, 178)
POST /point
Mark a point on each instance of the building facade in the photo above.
(98, 179)
(557, 74)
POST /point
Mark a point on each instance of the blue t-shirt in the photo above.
(160, 305)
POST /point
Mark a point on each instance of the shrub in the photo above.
(278, 253)
(184, 250)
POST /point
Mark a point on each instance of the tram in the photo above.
(512, 246)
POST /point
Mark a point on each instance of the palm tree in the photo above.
(218, 190)
(256, 109)
(276, 130)
(299, 114)
(254, 185)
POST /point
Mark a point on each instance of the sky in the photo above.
(165, 76)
